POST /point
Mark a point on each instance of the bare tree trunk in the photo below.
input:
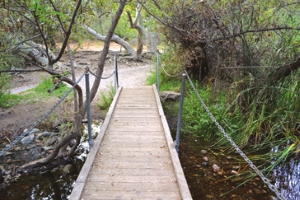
(114, 38)
(137, 25)
(104, 53)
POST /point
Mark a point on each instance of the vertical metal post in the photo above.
(116, 73)
(177, 142)
(157, 70)
(88, 108)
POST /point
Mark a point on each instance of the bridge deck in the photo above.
(136, 157)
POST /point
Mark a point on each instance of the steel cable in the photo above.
(171, 75)
(24, 134)
(258, 172)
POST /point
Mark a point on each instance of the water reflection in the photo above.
(55, 184)
(288, 179)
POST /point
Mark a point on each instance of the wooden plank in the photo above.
(136, 128)
(133, 138)
(134, 159)
(183, 186)
(133, 179)
(136, 153)
(131, 165)
(81, 179)
(118, 149)
(137, 115)
(128, 186)
(136, 194)
(133, 172)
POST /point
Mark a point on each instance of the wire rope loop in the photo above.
(221, 129)
(171, 75)
(24, 134)
(108, 76)
(92, 73)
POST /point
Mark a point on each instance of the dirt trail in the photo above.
(14, 120)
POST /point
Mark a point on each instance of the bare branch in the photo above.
(67, 34)
(60, 22)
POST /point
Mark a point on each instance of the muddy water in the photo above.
(206, 184)
(56, 183)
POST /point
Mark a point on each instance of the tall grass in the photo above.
(270, 119)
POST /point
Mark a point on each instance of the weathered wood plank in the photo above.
(133, 160)
(128, 186)
(136, 194)
(136, 153)
(129, 165)
(184, 189)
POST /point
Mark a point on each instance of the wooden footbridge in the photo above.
(134, 156)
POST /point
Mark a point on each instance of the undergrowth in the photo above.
(106, 99)
(268, 130)
(34, 94)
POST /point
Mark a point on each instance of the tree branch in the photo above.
(114, 38)
(67, 35)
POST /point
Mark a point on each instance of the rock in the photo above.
(68, 169)
(35, 130)
(258, 191)
(216, 168)
(203, 152)
(47, 148)
(169, 95)
(27, 140)
(43, 135)
(51, 141)
(47, 134)
(205, 163)
(205, 159)
(233, 172)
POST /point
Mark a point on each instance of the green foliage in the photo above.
(34, 94)
(9, 100)
(106, 99)
(42, 89)
(196, 120)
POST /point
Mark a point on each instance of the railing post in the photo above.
(88, 108)
(116, 73)
(157, 70)
(177, 142)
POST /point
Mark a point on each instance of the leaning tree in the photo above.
(30, 27)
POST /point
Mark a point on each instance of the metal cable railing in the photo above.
(24, 134)
(221, 129)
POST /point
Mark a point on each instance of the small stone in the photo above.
(35, 130)
(233, 172)
(68, 169)
(216, 168)
(47, 134)
(258, 191)
(203, 152)
(205, 159)
(47, 148)
(205, 163)
(27, 140)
